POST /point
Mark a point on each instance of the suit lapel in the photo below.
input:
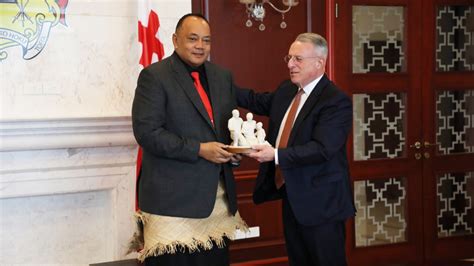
(308, 106)
(186, 83)
(286, 97)
(214, 91)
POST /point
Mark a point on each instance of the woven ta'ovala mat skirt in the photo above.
(165, 234)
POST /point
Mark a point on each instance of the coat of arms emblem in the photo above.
(27, 23)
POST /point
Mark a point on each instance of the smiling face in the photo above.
(311, 65)
(192, 41)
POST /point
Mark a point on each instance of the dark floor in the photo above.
(436, 263)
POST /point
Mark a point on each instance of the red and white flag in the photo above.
(148, 26)
(151, 51)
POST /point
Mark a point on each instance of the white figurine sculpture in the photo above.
(248, 129)
(260, 133)
(235, 127)
(245, 133)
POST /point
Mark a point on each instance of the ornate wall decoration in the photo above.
(381, 206)
(379, 126)
(378, 39)
(28, 24)
(455, 121)
(455, 194)
(455, 38)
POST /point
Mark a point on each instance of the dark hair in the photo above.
(181, 20)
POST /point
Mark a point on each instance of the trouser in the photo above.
(322, 245)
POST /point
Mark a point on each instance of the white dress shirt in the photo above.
(307, 91)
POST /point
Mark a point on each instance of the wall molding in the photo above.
(62, 181)
(18, 135)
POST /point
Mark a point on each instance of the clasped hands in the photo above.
(216, 153)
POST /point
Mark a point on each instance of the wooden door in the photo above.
(408, 67)
(448, 129)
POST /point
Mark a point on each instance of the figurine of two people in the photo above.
(245, 133)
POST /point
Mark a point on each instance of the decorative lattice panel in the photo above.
(381, 206)
(455, 194)
(455, 38)
(377, 39)
(455, 122)
(379, 126)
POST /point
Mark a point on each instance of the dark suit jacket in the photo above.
(314, 164)
(169, 123)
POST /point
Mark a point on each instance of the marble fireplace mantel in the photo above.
(67, 190)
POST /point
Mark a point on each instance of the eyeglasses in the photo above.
(297, 59)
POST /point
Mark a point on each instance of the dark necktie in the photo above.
(203, 95)
(285, 134)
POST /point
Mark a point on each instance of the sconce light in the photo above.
(255, 10)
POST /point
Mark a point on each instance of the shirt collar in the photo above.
(309, 88)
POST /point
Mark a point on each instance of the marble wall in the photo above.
(88, 66)
(67, 152)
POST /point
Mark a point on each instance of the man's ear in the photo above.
(175, 40)
(320, 61)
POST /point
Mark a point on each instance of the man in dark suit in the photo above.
(186, 190)
(309, 122)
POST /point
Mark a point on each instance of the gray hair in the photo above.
(317, 40)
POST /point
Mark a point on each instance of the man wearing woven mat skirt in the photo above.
(186, 189)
